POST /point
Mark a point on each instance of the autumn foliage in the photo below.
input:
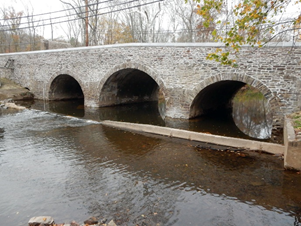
(251, 22)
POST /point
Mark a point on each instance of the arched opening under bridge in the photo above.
(65, 87)
(131, 86)
(236, 106)
(128, 86)
(66, 96)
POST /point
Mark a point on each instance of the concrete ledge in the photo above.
(292, 154)
(202, 137)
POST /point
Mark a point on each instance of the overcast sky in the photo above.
(45, 6)
(37, 7)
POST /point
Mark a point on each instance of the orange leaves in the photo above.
(298, 20)
(246, 9)
(208, 8)
(249, 22)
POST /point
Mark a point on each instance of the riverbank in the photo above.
(12, 91)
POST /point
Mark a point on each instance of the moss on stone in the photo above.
(296, 118)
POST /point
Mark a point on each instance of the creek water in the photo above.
(73, 167)
(150, 113)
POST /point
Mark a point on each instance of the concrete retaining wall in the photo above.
(202, 137)
(292, 153)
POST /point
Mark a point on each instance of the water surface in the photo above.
(150, 113)
(72, 168)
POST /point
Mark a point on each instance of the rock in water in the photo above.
(91, 221)
(73, 223)
(112, 223)
(13, 105)
(42, 220)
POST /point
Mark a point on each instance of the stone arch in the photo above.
(235, 81)
(64, 85)
(272, 100)
(107, 94)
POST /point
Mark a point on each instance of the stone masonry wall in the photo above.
(180, 69)
(5, 72)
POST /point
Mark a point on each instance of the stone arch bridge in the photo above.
(179, 72)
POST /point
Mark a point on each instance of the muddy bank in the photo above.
(10, 92)
(13, 91)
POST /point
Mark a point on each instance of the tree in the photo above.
(74, 28)
(252, 22)
(13, 20)
(32, 40)
(80, 12)
(145, 22)
(4, 37)
(19, 31)
(185, 24)
(111, 32)
(187, 14)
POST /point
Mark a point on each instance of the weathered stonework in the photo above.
(6, 72)
(180, 70)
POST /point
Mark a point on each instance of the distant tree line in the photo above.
(99, 22)
(108, 23)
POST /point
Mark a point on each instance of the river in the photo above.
(73, 167)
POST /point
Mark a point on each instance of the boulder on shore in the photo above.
(12, 105)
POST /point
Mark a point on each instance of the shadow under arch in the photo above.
(216, 92)
(215, 98)
(214, 95)
(64, 87)
(66, 95)
(130, 83)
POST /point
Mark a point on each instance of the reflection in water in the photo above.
(250, 119)
(251, 113)
(72, 168)
(148, 113)
(67, 107)
(1, 132)
(216, 124)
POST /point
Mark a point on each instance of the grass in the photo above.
(248, 93)
(296, 118)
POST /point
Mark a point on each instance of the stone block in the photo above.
(41, 220)
(112, 223)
